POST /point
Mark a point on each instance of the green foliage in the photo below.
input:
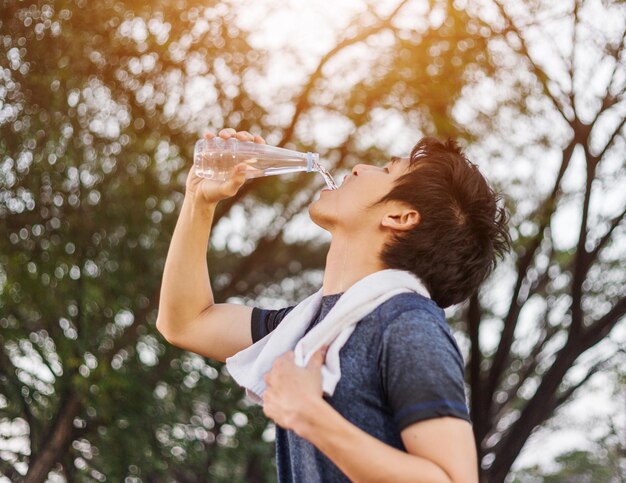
(90, 158)
(100, 105)
(601, 463)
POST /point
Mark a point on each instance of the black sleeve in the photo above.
(422, 370)
(264, 321)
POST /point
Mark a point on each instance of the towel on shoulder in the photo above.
(248, 366)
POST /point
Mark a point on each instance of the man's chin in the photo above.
(318, 216)
(314, 212)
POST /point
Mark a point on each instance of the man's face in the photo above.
(348, 206)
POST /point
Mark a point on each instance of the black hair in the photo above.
(462, 230)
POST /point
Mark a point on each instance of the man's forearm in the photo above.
(362, 457)
(186, 288)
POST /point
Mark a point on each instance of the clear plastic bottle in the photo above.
(215, 158)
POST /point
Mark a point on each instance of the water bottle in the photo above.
(215, 158)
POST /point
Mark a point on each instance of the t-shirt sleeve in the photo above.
(421, 369)
(264, 321)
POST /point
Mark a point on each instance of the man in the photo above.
(398, 412)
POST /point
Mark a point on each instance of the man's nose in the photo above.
(358, 169)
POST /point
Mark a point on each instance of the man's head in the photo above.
(432, 214)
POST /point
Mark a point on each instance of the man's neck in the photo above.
(348, 261)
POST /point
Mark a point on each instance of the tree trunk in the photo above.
(56, 443)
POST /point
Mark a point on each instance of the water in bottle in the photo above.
(215, 158)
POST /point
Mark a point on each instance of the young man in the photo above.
(398, 412)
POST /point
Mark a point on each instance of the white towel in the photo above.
(248, 366)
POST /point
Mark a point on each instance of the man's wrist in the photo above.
(198, 205)
(312, 418)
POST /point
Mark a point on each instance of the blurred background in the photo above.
(100, 106)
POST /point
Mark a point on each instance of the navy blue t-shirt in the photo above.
(400, 365)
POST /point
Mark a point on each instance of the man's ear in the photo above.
(401, 219)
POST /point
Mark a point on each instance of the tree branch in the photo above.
(302, 102)
(541, 404)
(247, 264)
(558, 400)
(540, 284)
(8, 470)
(9, 371)
(530, 364)
(561, 398)
(609, 100)
(597, 158)
(601, 327)
(613, 224)
(544, 214)
(474, 315)
(45, 361)
(274, 232)
(579, 274)
(56, 442)
(573, 54)
(538, 71)
(534, 413)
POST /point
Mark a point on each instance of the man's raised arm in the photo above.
(188, 316)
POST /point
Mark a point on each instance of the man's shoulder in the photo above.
(410, 318)
(409, 305)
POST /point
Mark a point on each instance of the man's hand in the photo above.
(292, 390)
(212, 191)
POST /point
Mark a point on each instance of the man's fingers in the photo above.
(317, 359)
(244, 136)
(227, 133)
(243, 166)
(232, 185)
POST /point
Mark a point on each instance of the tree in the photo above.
(503, 80)
(603, 458)
(575, 292)
(101, 107)
(94, 131)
